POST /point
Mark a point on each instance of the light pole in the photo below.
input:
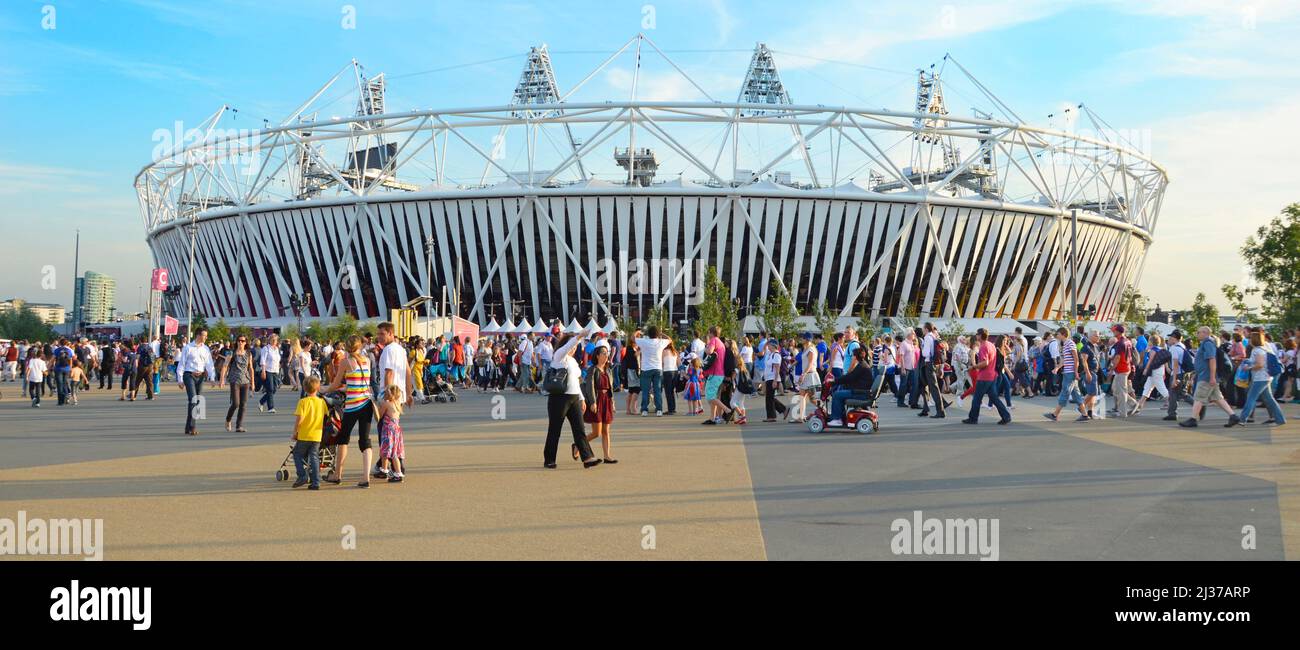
(189, 284)
(297, 303)
(429, 246)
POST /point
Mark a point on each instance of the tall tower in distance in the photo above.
(96, 294)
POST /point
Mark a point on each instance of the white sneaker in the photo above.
(835, 423)
(643, 414)
(659, 414)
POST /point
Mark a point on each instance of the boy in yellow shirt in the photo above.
(309, 420)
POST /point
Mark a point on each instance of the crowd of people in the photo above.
(1090, 372)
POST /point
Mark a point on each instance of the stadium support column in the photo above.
(189, 285)
(1074, 264)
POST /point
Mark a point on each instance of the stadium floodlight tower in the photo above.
(762, 85)
(536, 87)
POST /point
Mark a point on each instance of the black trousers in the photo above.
(238, 401)
(931, 386)
(769, 397)
(106, 372)
(193, 388)
(560, 408)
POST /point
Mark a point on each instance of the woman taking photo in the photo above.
(240, 371)
(597, 390)
(566, 404)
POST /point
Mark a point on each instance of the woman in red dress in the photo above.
(597, 390)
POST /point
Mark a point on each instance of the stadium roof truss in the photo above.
(303, 158)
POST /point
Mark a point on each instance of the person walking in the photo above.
(107, 362)
(1207, 389)
(35, 375)
(240, 371)
(194, 366)
(270, 374)
(566, 403)
(931, 362)
(1153, 371)
(1069, 370)
(1121, 355)
(1257, 362)
(598, 393)
(358, 406)
(985, 377)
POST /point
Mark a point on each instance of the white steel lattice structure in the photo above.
(866, 209)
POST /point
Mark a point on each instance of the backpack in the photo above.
(1274, 366)
(1159, 358)
(145, 354)
(1221, 362)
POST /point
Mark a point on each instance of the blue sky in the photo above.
(1214, 84)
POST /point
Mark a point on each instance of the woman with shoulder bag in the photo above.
(564, 401)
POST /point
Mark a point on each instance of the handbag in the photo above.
(556, 380)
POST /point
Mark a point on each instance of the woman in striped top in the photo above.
(1069, 371)
(358, 410)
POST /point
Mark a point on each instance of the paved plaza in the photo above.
(1137, 489)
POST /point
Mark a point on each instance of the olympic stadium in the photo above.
(545, 206)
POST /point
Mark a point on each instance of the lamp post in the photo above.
(429, 245)
(297, 303)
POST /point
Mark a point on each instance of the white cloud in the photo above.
(1229, 174)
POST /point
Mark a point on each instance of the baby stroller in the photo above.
(438, 390)
(328, 439)
(856, 415)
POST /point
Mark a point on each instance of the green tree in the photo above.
(315, 331)
(911, 318)
(658, 316)
(716, 308)
(244, 331)
(1273, 255)
(1133, 308)
(23, 324)
(1201, 313)
(777, 315)
(825, 320)
(219, 331)
(866, 326)
(342, 327)
(199, 321)
(290, 331)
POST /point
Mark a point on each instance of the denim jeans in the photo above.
(306, 459)
(193, 388)
(1259, 390)
(61, 377)
(842, 395)
(1068, 389)
(34, 387)
(982, 388)
(269, 385)
(652, 381)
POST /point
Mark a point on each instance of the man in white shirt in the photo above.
(525, 383)
(652, 374)
(194, 365)
(544, 352)
(930, 373)
(270, 362)
(1053, 352)
(393, 367)
(35, 377)
(697, 347)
